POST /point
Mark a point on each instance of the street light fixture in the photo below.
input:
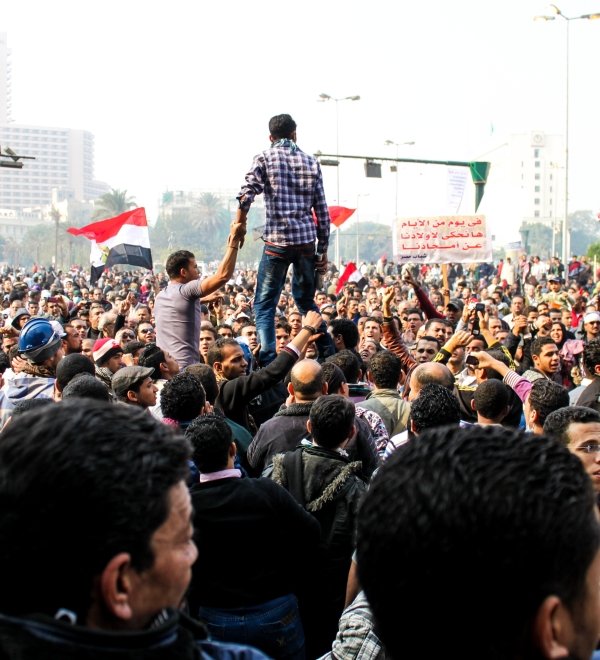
(590, 17)
(324, 98)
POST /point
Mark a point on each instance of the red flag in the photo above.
(339, 214)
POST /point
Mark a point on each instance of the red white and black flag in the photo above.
(120, 240)
(351, 274)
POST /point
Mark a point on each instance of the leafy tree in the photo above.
(113, 203)
(594, 251)
(374, 240)
(585, 229)
(537, 239)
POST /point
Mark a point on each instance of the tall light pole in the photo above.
(357, 226)
(389, 143)
(323, 98)
(590, 17)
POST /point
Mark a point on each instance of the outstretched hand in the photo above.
(238, 231)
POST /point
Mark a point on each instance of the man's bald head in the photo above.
(429, 373)
(306, 379)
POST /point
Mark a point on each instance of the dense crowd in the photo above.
(300, 462)
(283, 453)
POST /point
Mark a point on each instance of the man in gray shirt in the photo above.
(177, 308)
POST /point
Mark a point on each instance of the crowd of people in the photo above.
(288, 462)
(280, 456)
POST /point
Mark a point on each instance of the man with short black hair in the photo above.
(426, 348)
(277, 536)
(491, 402)
(292, 184)
(590, 396)
(120, 598)
(471, 512)
(546, 360)
(182, 399)
(384, 372)
(177, 307)
(578, 429)
(326, 484)
(236, 389)
(345, 334)
(69, 367)
(72, 342)
(165, 368)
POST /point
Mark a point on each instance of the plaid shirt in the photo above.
(356, 638)
(293, 185)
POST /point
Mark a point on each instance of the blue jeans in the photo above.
(273, 627)
(272, 272)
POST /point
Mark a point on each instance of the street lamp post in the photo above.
(323, 98)
(389, 143)
(558, 14)
(357, 227)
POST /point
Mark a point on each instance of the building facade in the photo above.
(64, 160)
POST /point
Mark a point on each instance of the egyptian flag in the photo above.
(351, 274)
(120, 240)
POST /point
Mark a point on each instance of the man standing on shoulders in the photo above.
(177, 308)
(293, 187)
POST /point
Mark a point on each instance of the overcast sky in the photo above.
(179, 93)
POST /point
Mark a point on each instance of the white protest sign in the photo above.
(442, 239)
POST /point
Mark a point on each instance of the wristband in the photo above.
(310, 329)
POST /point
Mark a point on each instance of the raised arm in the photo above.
(226, 267)
(426, 305)
(391, 335)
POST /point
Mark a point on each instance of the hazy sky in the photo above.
(179, 93)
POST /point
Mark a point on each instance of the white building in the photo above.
(64, 159)
(526, 183)
(14, 224)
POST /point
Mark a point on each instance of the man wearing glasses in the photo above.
(578, 429)
(146, 333)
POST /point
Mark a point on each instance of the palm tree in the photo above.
(113, 203)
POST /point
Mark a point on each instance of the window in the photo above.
(537, 177)
(536, 201)
(537, 163)
(536, 214)
(536, 153)
(537, 189)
